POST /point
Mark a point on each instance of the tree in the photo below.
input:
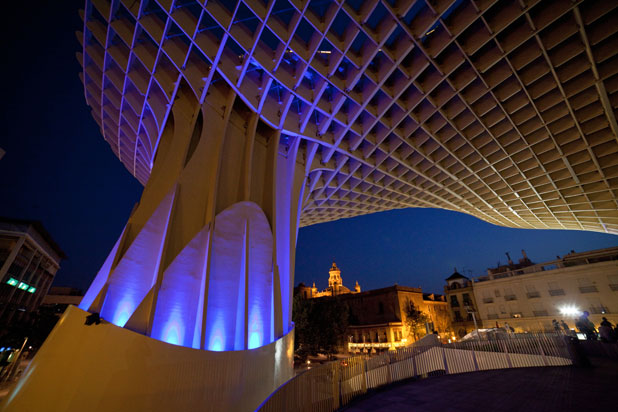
(320, 325)
(415, 320)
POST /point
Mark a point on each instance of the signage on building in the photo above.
(21, 285)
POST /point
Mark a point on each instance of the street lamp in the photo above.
(470, 310)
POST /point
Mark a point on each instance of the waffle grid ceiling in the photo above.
(505, 110)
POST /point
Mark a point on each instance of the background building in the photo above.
(461, 303)
(529, 298)
(378, 317)
(59, 297)
(29, 260)
(335, 286)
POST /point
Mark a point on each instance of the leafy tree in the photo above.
(415, 320)
(320, 325)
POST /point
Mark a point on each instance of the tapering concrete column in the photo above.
(206, 259)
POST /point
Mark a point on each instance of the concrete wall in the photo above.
(108, 368)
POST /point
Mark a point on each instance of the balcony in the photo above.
(588, 289)
(492, 316)
(540, 313)
(510, 297)
(454, 304)
(532, 295)
(488, 300)
(614, 287)
(556, 292)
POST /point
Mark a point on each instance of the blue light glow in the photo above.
(217, 337)
(123, 313)
(255, 340)
(256, 329)
(174, 331)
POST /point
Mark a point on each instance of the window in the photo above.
(487, 298)
(514, 310)
(586, 285)
(380, 308)
(538, 309)
(466, 299)
(509, 295)
(531, 292)
(497, 293)
(454, 301)
(554, 289)
(491, 312)
(457, 316)
(613, 282)
(595, 306)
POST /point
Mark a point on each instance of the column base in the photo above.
(108, 368)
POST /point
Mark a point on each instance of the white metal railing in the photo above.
(329, 387)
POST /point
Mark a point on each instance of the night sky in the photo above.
(59, 170)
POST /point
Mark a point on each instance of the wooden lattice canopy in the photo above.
(505, 110)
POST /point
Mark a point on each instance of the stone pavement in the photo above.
(562, 389)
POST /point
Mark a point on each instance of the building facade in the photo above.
(378, 319)
(29, 260)
(461, 304)
(529, 298)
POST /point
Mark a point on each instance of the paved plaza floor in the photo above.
(562, 389)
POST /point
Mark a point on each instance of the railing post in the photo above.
(336, 391)
(444, 359)
(538, 340)
(364, 366)
(508, 356)
(476, 364)
(389, 376)
(414, 363)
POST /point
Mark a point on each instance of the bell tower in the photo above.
(334, 278)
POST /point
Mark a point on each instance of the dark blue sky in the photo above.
(420, 247)
(58, 169)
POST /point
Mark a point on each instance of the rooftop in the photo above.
(569, 260)
(25, 226)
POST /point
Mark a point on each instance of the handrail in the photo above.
(330, 386)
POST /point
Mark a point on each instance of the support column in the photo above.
(206, 260)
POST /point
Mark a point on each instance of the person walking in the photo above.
(606, 331)
(585, 326)
(566, 328)
(605, 322)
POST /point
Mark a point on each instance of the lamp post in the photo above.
(476, 326)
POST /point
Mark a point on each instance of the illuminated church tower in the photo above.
(335, 285)
(334, 278)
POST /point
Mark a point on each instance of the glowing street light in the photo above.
(569, 310)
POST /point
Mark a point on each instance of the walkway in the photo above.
(528, 389)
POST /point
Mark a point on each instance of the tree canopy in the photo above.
(415, 320)
(320, 325)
